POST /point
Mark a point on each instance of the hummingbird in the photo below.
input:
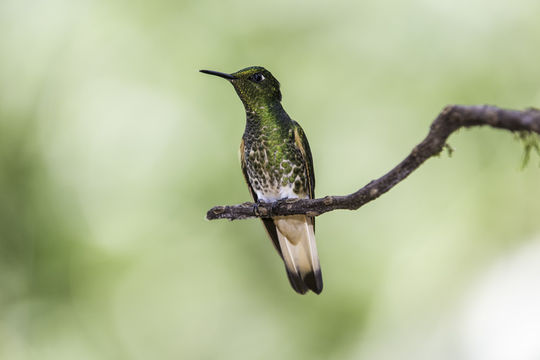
(277, 164)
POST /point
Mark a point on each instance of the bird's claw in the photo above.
(265, 209)
(260, 209)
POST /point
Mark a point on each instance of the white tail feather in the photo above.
(297, 242)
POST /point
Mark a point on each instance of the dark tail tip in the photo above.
(296, 283)
(310, 281)
(313, 281)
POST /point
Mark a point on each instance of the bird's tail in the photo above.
(297, 242)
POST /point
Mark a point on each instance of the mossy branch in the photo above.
(452, 118)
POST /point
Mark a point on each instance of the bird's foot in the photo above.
(260, 208)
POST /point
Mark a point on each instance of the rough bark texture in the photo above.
(449, 120)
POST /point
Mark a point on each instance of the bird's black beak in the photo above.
(220, 74)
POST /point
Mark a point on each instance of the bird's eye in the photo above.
(258, 77)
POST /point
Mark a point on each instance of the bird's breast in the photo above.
(275, 172)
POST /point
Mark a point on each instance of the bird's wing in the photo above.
(268, 223)
(302, 144)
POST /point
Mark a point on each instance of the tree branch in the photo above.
(452, 118)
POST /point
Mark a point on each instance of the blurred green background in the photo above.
(113, 146)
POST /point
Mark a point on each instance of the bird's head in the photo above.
(255, 86)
